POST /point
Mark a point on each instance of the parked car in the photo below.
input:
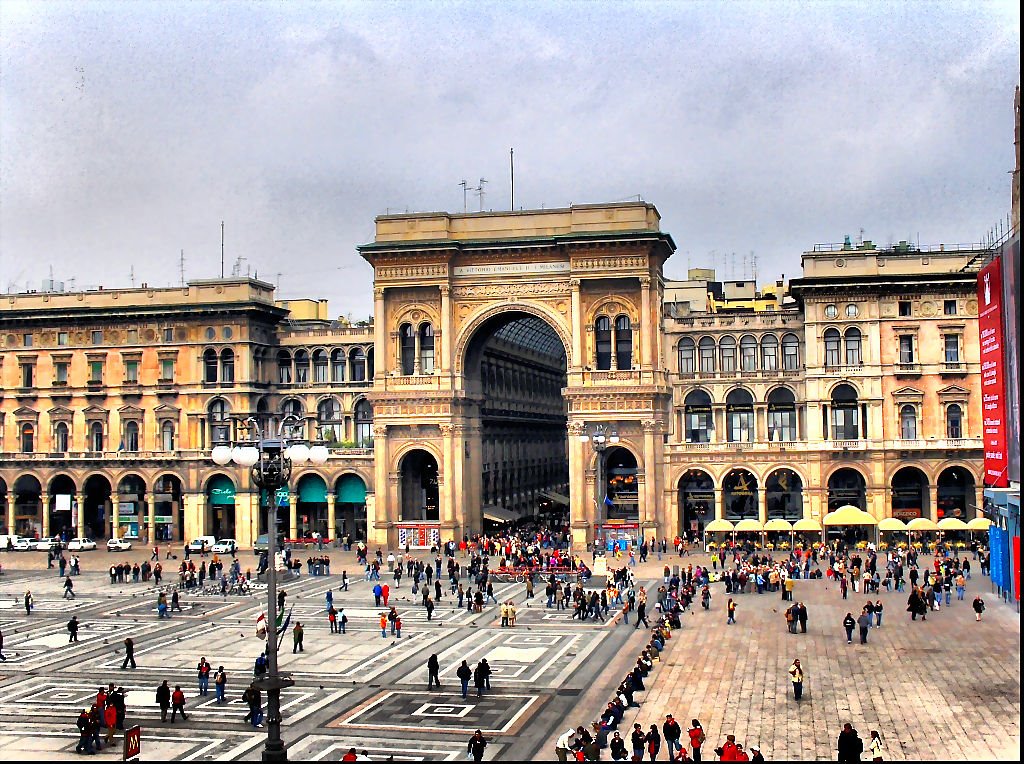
(81, 545)
(225, 546)
(261, 545)
(201, 543)
(118, 545)
(23, 545)
(49, 544)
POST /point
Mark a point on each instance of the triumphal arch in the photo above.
(502, 341)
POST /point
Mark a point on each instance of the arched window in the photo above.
(210, 367)
(220, 430)
(908, 422)
(686, 353)
(727, 353)
(328, 416)
(748, 353)
(623, 343)
(284, 367)
(96, 436)
(369, 364)
(706, 348)
(358, 359)
(831, 348)
(739, 417)
(320, 366)
(407, 349)
(770, 353)
(257, 365)
(697, 422)
(301, 367)
(60, 437)
(426, 349)
(782, 424)
(28, 438)
(853, 347)
(227, 366)
(364, 424)
(131, 436)
(954, 421)
(292, 407)
(167, 435)
(337, 365)
(603, 342)
(790, 352)
(845, 413)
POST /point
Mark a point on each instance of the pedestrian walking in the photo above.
(697, 738)
(641, 615)
(69, 588)
(203, 671)
(875, 746)
(730, 609)
(849, 744)
(178, 704)
(672, 732)
(2, 656)
(849, 623)
(476, 746)
(73, 629)
(433, 672)
(297, 638)
(465, 673)
(163, 699)
(801, 616)
(979, 607)
(864, 622)
(480, 678)
(129, 653)
(796, 673)
(84, 725)
(220, 684)
(29, 603)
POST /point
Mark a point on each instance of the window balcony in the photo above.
(953, 368)
(908, 370)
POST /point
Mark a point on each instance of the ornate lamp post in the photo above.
(270, 459)
(600, 438)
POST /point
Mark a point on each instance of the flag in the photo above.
(282, 621)
(261, 626)
(121, 446)
(608, 501)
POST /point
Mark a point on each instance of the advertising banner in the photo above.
(993, 391)
(419, 536)
(62, 502)
(997, 560)
(1016, 566)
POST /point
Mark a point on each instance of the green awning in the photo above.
(312, 490)
(221, 490)
(351, 490)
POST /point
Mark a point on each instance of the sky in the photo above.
(129, 130)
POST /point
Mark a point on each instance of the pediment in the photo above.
(907, 392)
(95, 412)
(164, 410)
(954, 391)
(130, 411)
(23, 412)
(60, 412)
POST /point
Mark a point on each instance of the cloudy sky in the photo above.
(130, 130)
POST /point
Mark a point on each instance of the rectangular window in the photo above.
(686, 359)
(949, 307)
(728, 358)
(707, 358)
(97, 337)
(427, 360)
(951, 343)
(782, 425)
(790, 356)
(26, 340)
(740, 426)
(844, 423)
(698, 427)
(168, 334)
(133, 336)
(27, 374)
(832, 351)
(60, 372)
(96, 371)
(904, 306)
(166, 369)
(748, 357)
(769, 358)
(131, 371)
(906, 348)
(62, 339)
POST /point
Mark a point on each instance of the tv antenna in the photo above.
(131, 275)
(465, 189)
(479, 190)
(181, 267)
(222, 249)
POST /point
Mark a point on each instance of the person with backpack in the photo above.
(697, 738)
(464, 673)
(849, 623)
(220, 684)
(260, 667)
(254, 699)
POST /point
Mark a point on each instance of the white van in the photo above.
(201, 543)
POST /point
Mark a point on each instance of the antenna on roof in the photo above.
(481, 193)
(131, 275)
(753, 258)
(465, 207)
(181, 267)
(222, 249)
(511, 179)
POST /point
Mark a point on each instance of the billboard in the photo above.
(997, 557)
(993, 390)
(1011, 323)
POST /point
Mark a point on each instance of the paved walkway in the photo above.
(944, 689)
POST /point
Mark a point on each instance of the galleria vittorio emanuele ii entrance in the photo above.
(501, 341)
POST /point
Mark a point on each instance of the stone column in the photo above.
(762, 504)
(332, 520)
(293, 516)
(760, 423)
(450, 465)
(10, 511)
(580, 502)
(377, 511)
(577, 325)
(380, 334)
(416, 351)
(80, 499)
(443, 363)
(649, 512)
(151, 517)
(44, 506)
(195, 515)
(647, 325)
(718, 412)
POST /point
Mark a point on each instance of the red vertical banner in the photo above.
(993, 392)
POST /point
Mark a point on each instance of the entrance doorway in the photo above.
(696, 502)
(220, 507)
(418, 486)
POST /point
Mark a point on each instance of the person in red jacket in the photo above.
(728, 749)
(110, 719)
(740, 754)
(385, 590)
(178, 704)
(696, 733)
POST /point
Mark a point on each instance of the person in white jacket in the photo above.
(564, 744)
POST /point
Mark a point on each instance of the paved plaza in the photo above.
(948, 688)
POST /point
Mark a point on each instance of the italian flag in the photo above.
(261, 626)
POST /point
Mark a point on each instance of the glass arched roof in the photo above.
(533, 334)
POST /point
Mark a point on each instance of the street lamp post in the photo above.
(600, 438)
(270, 459)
